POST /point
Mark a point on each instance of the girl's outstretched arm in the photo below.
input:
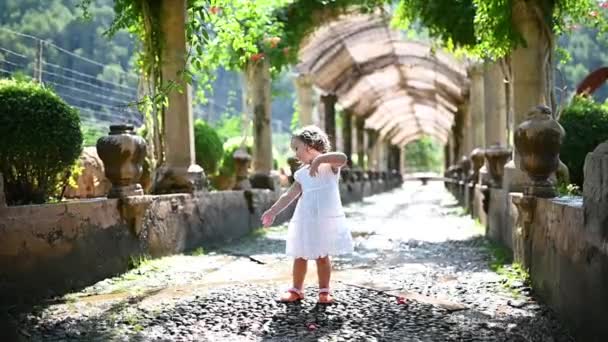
(286, 198)
(335, 159)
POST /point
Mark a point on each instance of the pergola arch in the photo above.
(403, 89)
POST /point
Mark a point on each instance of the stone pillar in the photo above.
(347, 135)
(305, 97)
(495, 105)
(372, 162)
(449, 155)
(477, 102)
(180, 172)
(595, 192)
(2, 193)
(401, 159)
(259, 101)
(531, 74)
(329, 117)
(393, 161)
(360, 135)
(386, 155)
(467, 132)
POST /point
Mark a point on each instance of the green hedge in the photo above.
(208, 146)
(586, 125)
(40, 139)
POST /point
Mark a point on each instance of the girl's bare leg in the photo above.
(299, 273)
(324, 272)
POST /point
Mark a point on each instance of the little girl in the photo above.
(318, 227)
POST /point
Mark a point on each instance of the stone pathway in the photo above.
(420, 272)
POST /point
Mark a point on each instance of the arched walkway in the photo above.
(402, 89)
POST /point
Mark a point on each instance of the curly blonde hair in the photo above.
(314, 137)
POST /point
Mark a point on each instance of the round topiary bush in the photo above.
(586, 125)
(208, 146)
(40, 139)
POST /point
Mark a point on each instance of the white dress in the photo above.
(318, 227)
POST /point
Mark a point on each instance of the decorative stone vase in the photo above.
(477, 158)
(242, 160)
(497, 156)
(358, 175)
(122, 153)
(370, 175)
(538, 140)
(294, 165)
(346, 175)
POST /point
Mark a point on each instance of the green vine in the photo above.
(485, 28)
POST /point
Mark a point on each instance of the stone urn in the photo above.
(242, 160)
(346, 175)
(538, 141)
(497, 156)
(122, 153)
(465, 164)
(294, 165)
(477, 159)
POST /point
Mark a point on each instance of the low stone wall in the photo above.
(49, 249)
(567, 259)
(569, 267)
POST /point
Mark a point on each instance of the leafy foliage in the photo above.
(585, 51)
(485, 27)
(229, 126)
(40, 139)
(450, 21)
(208, 146)
(424, 154)
(586, 125)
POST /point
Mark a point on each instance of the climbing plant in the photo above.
(485, 28)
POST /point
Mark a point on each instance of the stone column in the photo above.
(531, 75)
(347, 135)
(305, 97)
(180, 172)
(360, 134)
(329, 117)
(401, 159)
(467, 132)
(495, 105)
(477, 101)
(259, 101)
(386, 155)
(372, 162)
(2, 194)
(449, 156)
(595, 192)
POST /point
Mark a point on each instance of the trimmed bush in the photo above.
(208, 146)
(586, 125)
(40, 139)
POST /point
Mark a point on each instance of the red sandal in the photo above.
(292, 295)
(325, 297)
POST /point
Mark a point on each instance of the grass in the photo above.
(197, 252)
(135, 261)
(502, 263)
(479, 227)
(259, 232)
